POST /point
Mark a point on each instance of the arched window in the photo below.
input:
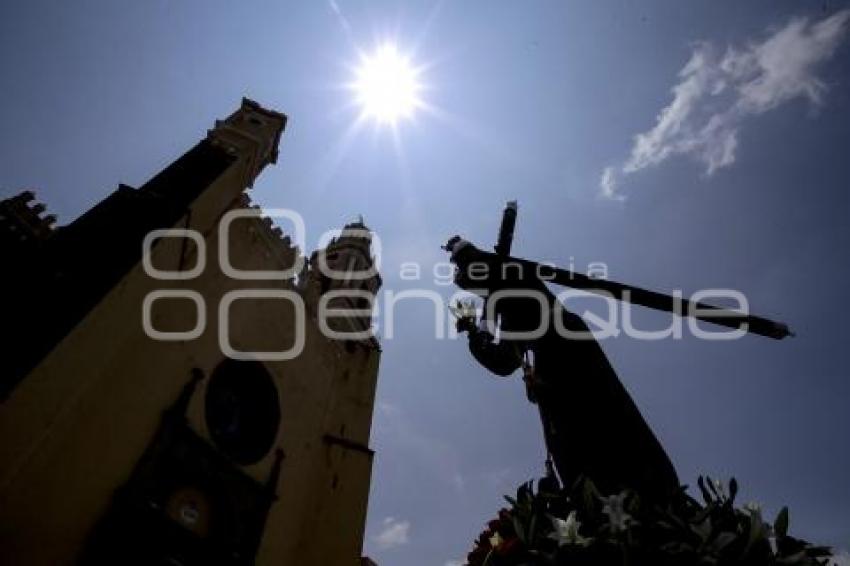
(242, 410)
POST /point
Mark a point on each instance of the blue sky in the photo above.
(741, 183)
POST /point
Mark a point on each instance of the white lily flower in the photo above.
(617, 515)
(566, 532)
(464, 309)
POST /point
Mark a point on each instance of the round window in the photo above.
(242, 410)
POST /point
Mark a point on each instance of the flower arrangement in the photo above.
(580, 526)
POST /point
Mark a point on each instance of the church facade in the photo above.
(168, 393)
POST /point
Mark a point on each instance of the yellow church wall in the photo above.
(75, 428)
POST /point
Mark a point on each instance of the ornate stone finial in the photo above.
(21, 219)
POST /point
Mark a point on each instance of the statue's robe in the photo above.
(592, 426)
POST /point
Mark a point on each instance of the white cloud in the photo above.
(608, 185)
(394, 533)
(340, 16)
(842, 558)
(458, 482)
(719, 91)
(455, 563)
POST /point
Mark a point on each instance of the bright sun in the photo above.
(387, 86)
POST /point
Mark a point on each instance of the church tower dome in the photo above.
(346, 275)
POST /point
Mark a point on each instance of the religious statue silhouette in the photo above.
(592, 427)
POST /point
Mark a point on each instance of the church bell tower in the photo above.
(170, 396)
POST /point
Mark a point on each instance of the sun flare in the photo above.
(387, 85)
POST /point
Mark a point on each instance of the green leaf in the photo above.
(780, 526)
(819, 551)
(757, 532)
(733, 490)
(705, 495)
(532, 527)
(723, 540)
(520, 530)
(711, 487)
